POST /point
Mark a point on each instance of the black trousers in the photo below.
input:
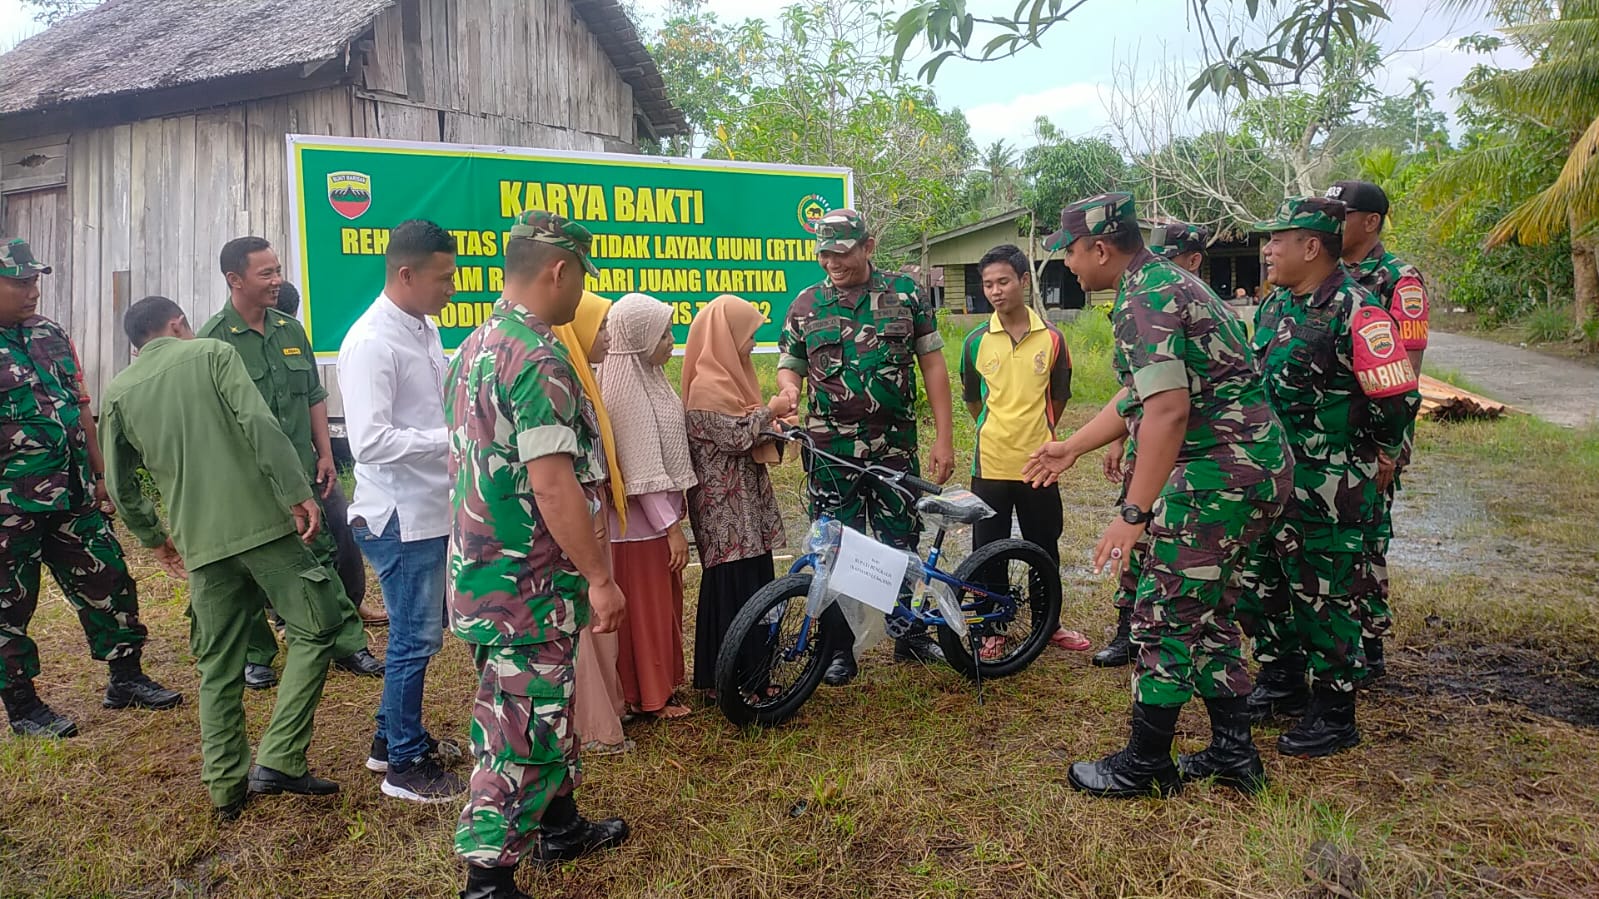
(1037, 508)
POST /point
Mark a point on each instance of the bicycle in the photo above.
(780, 643)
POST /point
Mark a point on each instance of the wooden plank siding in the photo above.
(158, 198)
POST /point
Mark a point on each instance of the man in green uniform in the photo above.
(1209, 480)
(1404, 294)
(856, 339)
(53, 511)
(278, 356)
(1184, 246)
(526, 566)
(1339, 379)
(241, 512)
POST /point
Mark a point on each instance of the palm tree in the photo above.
(999, 166)
(1559, 92)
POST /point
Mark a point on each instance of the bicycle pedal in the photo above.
(899, 622)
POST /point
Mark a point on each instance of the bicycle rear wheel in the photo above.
(1027, 575)
(762, 677)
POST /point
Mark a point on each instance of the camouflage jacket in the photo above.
(1174, 333)
(857, 350)
(44, 451)
(1343, 389)
(1402, 291)
(513, 397)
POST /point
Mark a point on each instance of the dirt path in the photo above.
(1553, 389)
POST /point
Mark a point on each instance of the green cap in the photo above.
(1105, 214)
(547, 227)
(1322, 214)
(1176, 238)
(16, 260)
(840, 230)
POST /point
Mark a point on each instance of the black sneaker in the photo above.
(423, 781)
(272, 782)
(446, 752)
(140, 692)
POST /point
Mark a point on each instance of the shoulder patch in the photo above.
(1380, 364)
(1410, 309)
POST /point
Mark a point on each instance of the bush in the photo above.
(1549, 324)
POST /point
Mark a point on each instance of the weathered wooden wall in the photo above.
(157, 199)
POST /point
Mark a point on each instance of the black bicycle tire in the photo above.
(954, 645)
(729, 696)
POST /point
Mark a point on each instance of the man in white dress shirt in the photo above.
(391, 375)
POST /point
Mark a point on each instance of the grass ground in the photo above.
(1475, 777)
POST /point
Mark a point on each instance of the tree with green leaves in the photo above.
(1299, 35)
(815, 88)
(52, 11)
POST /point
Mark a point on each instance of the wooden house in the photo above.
(140, 136)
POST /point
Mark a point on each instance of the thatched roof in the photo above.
(127, 47)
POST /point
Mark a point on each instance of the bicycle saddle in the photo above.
(957, 505)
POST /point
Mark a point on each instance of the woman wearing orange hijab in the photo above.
(597, 702)
(735, 516)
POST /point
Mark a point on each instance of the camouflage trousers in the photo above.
(1302, 598)
(83, 554)
(524, 746)
(1127, 586)
(860, 501)
(1376, 617)
(1184, 637)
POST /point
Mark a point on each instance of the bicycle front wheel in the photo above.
(763, 674)
(1027, 603)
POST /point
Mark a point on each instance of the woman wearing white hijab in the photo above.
(652, 454)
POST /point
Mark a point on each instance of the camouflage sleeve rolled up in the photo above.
(541, 404)
(791, 344)
(924, 321)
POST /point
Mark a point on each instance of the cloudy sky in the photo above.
(1066, 79)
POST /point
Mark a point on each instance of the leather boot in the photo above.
(1281, 688)
(1143, 768)
(1327, 728)
(565, 835)
(918, 648)
(841, 670)
(491, 883)
(130, 686)
(1231, 757)
(30, 717)
(1376, 667)
(1119, 651)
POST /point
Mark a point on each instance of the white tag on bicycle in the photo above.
(868, 571)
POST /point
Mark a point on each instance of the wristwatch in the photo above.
(1134, 515)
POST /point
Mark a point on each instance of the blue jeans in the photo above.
(411, 575)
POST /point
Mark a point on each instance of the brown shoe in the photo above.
(376, 617)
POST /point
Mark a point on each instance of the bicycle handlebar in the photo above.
(900, 480)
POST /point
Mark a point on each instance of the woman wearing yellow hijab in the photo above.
(597, 703)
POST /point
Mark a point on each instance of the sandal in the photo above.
(1071, 641)
(595, 747)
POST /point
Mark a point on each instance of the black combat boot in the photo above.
(1327, 728)
(1376, 667)
(566, 836)
(1119, 651)
(1281, 688)
(1231, 757)
(841, 670)
(30, 717)
(130, 686)
(918, 647)
(491, 883)
(1144, 768)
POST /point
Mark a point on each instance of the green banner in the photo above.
(681, 230)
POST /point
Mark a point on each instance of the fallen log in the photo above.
(1446, 402)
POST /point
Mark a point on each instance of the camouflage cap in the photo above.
(1176, 238)
(1105, 214)
(547, 227)
(16, 260)
(1310, 213)
(1360, 196)
(840, 230)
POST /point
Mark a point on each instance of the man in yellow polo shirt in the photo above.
(1016, 375)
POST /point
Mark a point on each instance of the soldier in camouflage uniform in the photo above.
(278, 354)
(1339, 379)
(525, 564)
(1184, 246)
(1210, 478)
(855, 339)
(53, 511)
(1402, 290)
